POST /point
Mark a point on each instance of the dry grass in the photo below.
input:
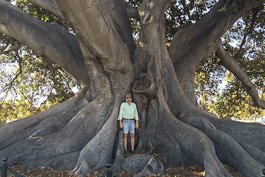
(195, 171)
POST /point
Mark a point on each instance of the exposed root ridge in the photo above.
(154, 166)
(61, 162)
(119, 154)
(228, 150)
(99, 150)
(195, 144)
(135, 163)
(242, 132)
(21, 129)
(255, 153)
(83, 169)
(71, 138)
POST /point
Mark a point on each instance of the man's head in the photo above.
(128, 97)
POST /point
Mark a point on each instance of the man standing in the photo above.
(128, 115)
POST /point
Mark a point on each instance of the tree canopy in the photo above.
(30, 84)
(244, 40)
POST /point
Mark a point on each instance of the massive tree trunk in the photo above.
(82, 132)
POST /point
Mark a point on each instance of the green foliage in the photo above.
(245, 42)
(248, 32)
(234, 102)
(184, 12)
(39, 13)
(208, 78)
(30, 84)
(233, 6)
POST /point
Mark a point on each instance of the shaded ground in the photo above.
(196, 171)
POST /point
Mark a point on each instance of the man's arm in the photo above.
(120, 117)
(136, 118)
(121, 126)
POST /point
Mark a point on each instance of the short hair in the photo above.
(128, 95)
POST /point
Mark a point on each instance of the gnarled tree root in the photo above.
(119, 153)
(69, 139)
(197, 147)
(99, 150)
(177, 143)
(154, 166)
(61, 162)
(44, 122)
(143, 165)
(228, 150)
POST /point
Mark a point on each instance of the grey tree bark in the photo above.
(82, 133)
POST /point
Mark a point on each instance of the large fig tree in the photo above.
(104, 59)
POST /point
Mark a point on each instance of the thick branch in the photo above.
(231, 64)
(219, 22)
(132, 11)
(95, 28)
(99, 38)
(49, 41)
(49, 5)
(120, 18)
(194, 43)
(210, 28)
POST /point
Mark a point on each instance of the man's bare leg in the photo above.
(125, 141)
(132, 141)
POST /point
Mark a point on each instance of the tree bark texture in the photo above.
(82, 133)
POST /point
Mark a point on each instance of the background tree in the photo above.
(244, 41)
(30, 84)
(99, 52)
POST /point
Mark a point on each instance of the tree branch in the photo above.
(19, 72)
(194, 43)
(132, 11)
(100, 37)
(249, 31)
(49, 41)
(120, 17)
(13, 48)
(210, 28)
(183, 2)
(231, 64)
(49, 5)
(9, 85)
(218, 22)
(2, 49)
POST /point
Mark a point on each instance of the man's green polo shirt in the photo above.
(128, 111)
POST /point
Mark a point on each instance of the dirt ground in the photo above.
(195, 171)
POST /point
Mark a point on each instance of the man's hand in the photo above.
(136, 125)
(121, 126)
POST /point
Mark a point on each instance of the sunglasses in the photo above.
(128, 97)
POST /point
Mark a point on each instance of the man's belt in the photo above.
(128, 119)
